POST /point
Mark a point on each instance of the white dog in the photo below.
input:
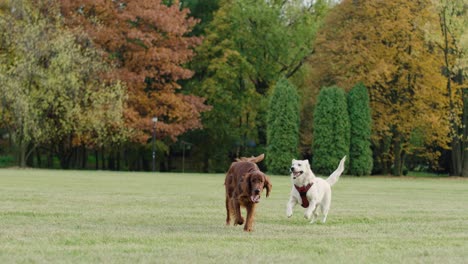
(310, 191)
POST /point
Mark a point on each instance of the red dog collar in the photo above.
(303, 192)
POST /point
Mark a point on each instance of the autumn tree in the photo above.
(148, 42)
(448, 36)
(282, 127)
(360, 120)
(50, 90)
(247, 46)
(331, 130)
(383, 44)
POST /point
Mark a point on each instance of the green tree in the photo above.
(203, 10)
(50, 86)
(360, 153)
(282, 127)
(247, 46)
(331, 130)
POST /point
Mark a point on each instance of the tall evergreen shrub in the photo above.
(282, 127)
(360, 153)
(331, 130)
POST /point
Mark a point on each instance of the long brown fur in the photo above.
(244, 185)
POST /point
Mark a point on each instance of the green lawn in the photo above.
(52, 216)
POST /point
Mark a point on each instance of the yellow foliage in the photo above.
(383, 44)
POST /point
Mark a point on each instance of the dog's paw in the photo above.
(289, 212)
(307, 216)
(239, 221)
(248, 229)
(324, 220)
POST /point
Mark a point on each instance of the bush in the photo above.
(360, 153)
(282, 127)
(6, 161)
(331, 130)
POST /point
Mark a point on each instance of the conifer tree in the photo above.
(331, 130)
(282, 127)
(360, 153)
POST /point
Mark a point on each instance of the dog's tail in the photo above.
(252, 159)
(336, 174)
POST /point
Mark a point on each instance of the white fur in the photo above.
(319, 194)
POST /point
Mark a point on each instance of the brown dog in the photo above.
(244, 184)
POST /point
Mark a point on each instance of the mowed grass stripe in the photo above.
(51, 216)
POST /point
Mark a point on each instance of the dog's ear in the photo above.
(245, 183)
(267, 185)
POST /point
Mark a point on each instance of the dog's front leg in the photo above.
(248, 227)
(310, 210)
(237, 212)
(290, 205)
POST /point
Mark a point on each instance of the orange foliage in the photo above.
(147, 42)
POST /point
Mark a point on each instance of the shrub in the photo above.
(282, 127)
(360, 153)
(6, 161)
(331, 130)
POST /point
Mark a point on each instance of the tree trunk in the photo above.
(459, 144)
(96, 153)
(465, 133)
(50, 159)
(84, 157)
(103, 159)
(30, 157)
(397, 162)
(65, 152)
(456, 156)
(117, 157)
(24, 154)
(206, 162)
(111, 160)
(75, 159)
(38, 158)
(23, 147)
(384, 154)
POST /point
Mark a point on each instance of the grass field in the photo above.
(49, 216)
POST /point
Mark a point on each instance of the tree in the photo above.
(360, 153)
(202, 10)
(147, 41)
(247, 46)
(382, 44)
(282, 127)
(331, 130)
(50, 86)
(448, 36)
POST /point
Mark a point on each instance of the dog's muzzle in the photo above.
(255, 197)
(294, 173)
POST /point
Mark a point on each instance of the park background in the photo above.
(119, 119)
(191, 85)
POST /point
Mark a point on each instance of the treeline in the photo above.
(82, 81)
